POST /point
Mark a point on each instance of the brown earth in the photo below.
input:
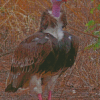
(20, 18)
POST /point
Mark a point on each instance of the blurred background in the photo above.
(21, 18)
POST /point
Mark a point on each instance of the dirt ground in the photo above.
(63, 90)
(21, 18)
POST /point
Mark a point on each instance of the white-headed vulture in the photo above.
(44, 56)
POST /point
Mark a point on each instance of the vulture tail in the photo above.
(10, 88)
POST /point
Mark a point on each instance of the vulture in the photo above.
(42, 57)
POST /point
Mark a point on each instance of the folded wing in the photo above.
(26, 60)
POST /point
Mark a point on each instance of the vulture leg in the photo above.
(49, 95)
(39, 96)
(35, 86)
(51, 85)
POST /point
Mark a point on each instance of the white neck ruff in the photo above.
(57, 32)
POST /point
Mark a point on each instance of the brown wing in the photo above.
(32, 51)
(74, 49)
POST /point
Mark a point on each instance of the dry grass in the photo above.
(21, 18)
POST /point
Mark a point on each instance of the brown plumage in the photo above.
(31, 53)
(43, 54)
(48, 20)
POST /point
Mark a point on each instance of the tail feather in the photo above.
(10, 88)
(17, 80)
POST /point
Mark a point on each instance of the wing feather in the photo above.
(26, 59)
(31, 52)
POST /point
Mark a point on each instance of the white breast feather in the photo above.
(57, 32)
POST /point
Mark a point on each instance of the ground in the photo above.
(21, 18)
(63, 89)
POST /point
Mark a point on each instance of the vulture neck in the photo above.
(57, 31)
(56, 9)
